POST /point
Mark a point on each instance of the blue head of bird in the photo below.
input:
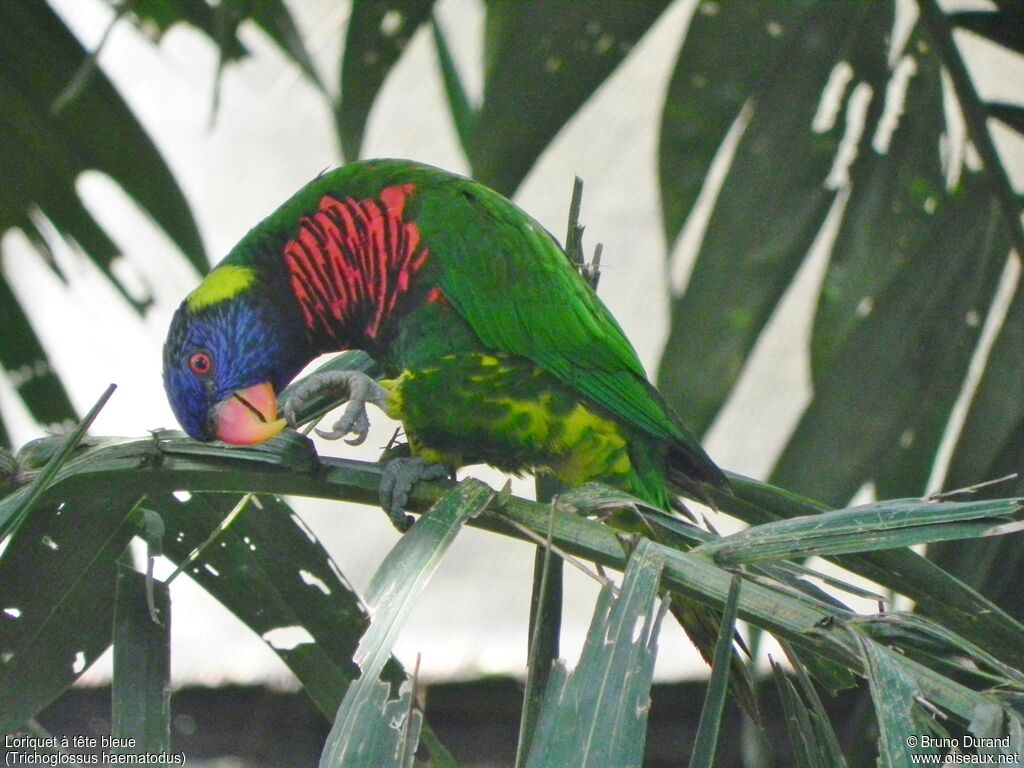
(226, 358)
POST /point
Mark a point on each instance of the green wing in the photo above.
(515, 286)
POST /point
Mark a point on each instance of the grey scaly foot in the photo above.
(399, 477)
(359, 388)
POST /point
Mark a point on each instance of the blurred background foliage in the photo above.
(785, 125)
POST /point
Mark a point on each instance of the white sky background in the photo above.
(274, 132)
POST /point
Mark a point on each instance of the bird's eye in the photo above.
(200, 363)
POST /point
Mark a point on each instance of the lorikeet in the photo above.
(497, 349)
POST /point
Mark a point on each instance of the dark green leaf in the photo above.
(377, 35)
(10, 470)
(910, 631)
(935, 592)
(794, 574)
(943, 597)
(977, 562)
(411, 563)
(288, 449)
(595, 498)
(34, 455)
(141, 688)
(267, 570)
(25, 362)
(370, 729)
(883, 525)
(1011, 114)
(895, 695)
(896, 193)
(220, 23)
(383, 732)
(898, 202)
(999, 733)
(274, 18)
(57, 578)
(706, 741)
(158, 16)
(991, 566)
(458, 101)
(47, 149)
(545, 627)
(545, 59)
(940, 34)
(772, 203)
(798, 721)
(990, 445)
(814, 742)
(709, 87)
(826, 741)
(1005, 26)
(991, 437)
(886, 395)
(597, 715)
(15, 507)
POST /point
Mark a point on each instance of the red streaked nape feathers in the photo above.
(352, 261)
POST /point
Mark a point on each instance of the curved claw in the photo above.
(359, 388)
(290, 411)
(353, 421)
(398, 479)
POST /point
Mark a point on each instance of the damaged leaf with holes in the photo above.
(57, 579)
(371, 728)
(597, 714)
(270, 570)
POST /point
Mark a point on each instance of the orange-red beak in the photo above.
(249, 416)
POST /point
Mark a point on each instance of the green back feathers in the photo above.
(512, 282)
(514, 285)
